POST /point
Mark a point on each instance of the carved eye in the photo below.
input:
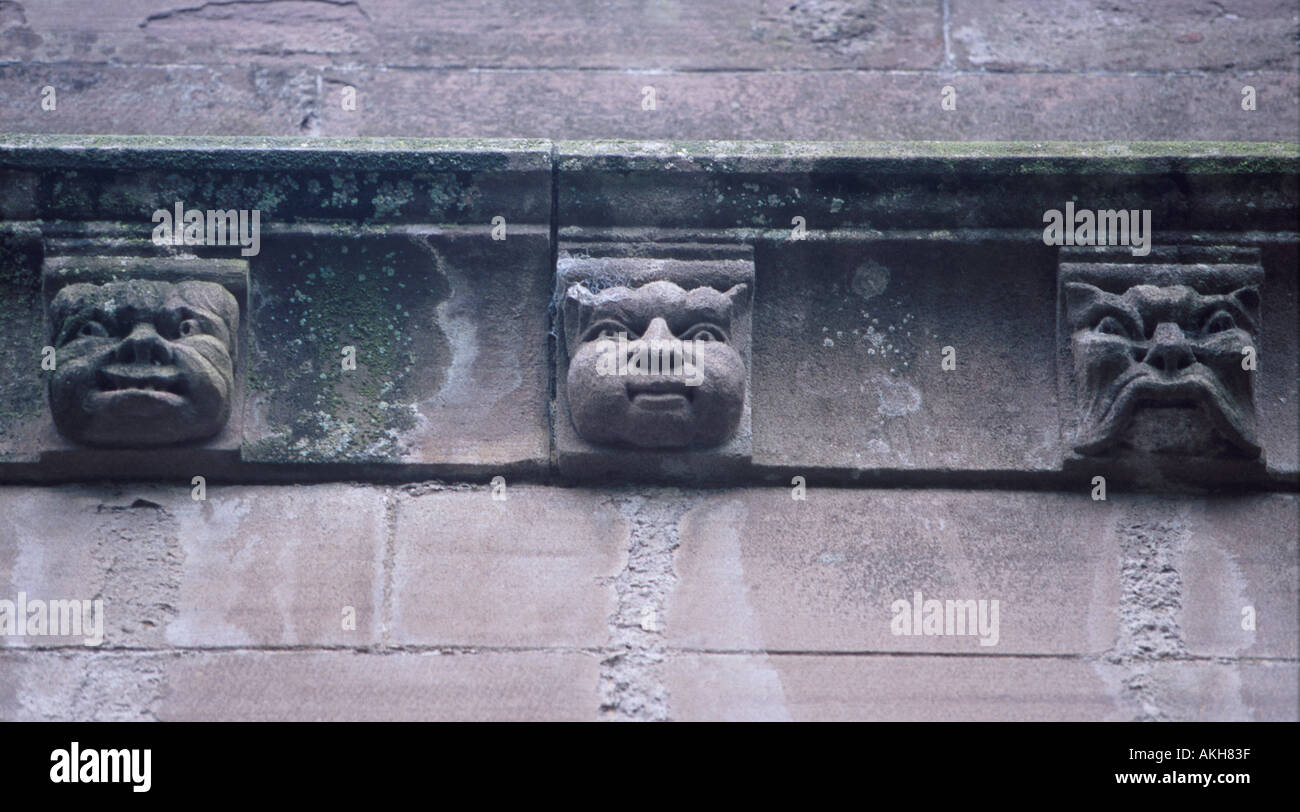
(1112, 326)
(1221, 321)
(189, 327)
(92, 328)
(607, 330)
(704, 332)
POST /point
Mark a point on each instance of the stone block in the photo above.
(898, 354)
(808, 688)
(758, 570)
(248, 566)
(298, 686)
(448, 362)
(344, 686)
(1078, 35)
(809, 105)
(534, 569)
(744, 34)
(1227, 692)
(1242, 551)
(71, 686)
(159, 99)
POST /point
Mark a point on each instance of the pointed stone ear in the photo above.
(738, 295)
(1079, 298)
(577, 310)
(1247, 298)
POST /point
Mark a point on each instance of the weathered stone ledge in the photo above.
(900, 321)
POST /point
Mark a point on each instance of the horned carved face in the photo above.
(654, 366)
(143, 363)
(1162, 369)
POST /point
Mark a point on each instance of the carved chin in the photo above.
(143, 418)
(1106, 423)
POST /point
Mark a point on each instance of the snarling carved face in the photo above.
(1164, 361)
(654, 366)
(142, 363)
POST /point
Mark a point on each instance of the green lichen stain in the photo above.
(313, 298)
(307, 196)
(390, 198)
(22, 388)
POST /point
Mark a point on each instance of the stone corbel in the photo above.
(653, 359)
(1159, 360)
(146, 352)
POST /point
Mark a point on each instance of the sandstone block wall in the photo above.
(423, 536)
(724, 69)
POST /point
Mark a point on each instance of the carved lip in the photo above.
(1181, 391)
(660, 394)
(119, 397)
(136, 378)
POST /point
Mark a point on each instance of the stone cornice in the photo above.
(904, 319)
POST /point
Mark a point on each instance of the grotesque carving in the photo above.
(654, 366)
(143, 363)
(1164, 368)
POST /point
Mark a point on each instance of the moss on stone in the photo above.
(374, 294)
(22, 389)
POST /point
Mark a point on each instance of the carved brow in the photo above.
(1092, 314)
(724, 329)
(592, 328)
(77, 318)
(72, 323)
(1212, 304)
(691, 316)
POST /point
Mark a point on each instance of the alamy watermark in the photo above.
(242, 227)
(669, 357)
(53, 618)
(74, 765)
(1131, 227)
(946, 618)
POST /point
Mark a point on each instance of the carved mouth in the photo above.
(660, 394)
(1189, 391)
(1140, 388)
(127, 378)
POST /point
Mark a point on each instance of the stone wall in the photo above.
(648, 603)
(1067, 70)
(434, 532)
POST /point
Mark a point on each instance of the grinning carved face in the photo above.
(1164, 361)
(142, 363)
(654, 366)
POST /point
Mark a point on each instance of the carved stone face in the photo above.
(654, 366)
(1160, 369)
(142, 363)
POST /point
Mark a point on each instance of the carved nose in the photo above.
(1170, 351)
(658, 331)
(144, 346)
